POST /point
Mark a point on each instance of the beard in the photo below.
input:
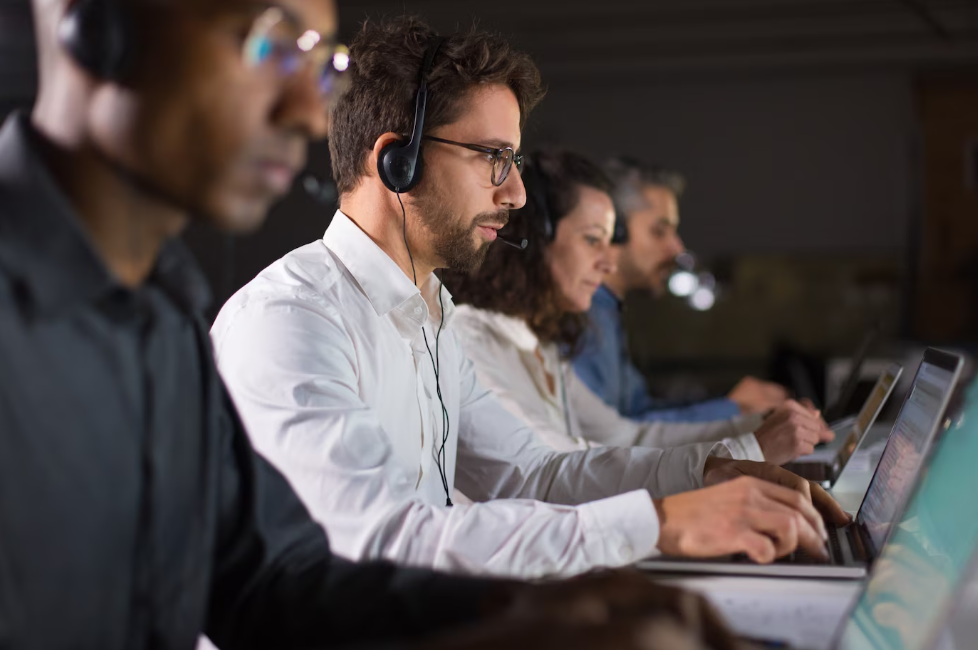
(641, 278)
(453, 239)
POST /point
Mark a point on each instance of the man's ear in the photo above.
(379, 145)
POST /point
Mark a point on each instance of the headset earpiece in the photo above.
(619, 236)
(98, 35)
(536, 184)
(400, 164)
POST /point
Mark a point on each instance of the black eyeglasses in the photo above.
(502, 159)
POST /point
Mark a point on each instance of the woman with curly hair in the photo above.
(523, 312)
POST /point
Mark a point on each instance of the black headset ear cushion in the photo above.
(548, 229)
(395, 168)
(96, 33)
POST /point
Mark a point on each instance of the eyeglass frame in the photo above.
(496, 153)
(329, 46)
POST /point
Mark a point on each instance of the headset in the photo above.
(544, 223)
(400, 166)
(99, 36)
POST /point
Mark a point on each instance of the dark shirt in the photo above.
(133, 511)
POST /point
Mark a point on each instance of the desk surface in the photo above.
(803, 612)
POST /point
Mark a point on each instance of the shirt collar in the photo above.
(512, 329)
(604, 298)
(43, 244)
(389, 290)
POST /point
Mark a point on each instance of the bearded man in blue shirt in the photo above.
(647, 197)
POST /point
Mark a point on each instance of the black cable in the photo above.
(440, 460)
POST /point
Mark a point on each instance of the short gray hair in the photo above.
(630, 176)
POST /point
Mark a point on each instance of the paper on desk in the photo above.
(806, 613)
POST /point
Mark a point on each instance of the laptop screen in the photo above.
(920, 571)
(869, 412)
(904, 450)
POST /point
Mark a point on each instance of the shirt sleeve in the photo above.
(276, 583)
(597, 361)
(293, 374)
(601, 423)
(601, 366)
(708, 411)
(509, 448)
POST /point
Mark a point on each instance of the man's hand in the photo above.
(603, 609)
(792, 430)
(755, 396)
(720, 470)
(745, 515)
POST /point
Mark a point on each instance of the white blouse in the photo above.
(511, 361)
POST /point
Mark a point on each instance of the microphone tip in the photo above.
(518, 244)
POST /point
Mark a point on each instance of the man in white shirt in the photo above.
(343, 364)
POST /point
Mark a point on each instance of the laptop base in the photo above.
(847, 562)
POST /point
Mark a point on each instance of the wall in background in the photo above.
(775, 163)
(794, 120)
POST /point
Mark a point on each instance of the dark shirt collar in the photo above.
(605, 299)
(43, 244)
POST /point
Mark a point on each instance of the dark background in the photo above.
(831, 150)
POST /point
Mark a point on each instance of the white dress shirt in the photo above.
(324, 355)
(510, 361)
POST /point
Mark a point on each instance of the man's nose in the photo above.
(302, 107)
(511, 195)
(679, 247)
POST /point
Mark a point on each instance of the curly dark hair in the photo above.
(385, 70)
(519, 282)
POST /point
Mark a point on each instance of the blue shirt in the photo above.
(603, 364)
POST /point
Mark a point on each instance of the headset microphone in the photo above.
(518, 244)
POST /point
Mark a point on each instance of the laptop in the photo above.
(837, 410)
(853, 548)
(929, 561)
(826, 472)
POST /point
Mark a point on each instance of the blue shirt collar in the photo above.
(605, 299)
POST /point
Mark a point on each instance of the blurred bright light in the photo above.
(341, 61)
(683, 284)
(308, 40)
(703, 299)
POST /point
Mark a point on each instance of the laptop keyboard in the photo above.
(800, 556)
(835, 552)
(810, 471)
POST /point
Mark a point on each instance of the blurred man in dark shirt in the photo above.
(134, 513)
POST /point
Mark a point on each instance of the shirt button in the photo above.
(417, 310)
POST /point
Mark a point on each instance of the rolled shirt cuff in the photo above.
(620, 530)
(743, 447)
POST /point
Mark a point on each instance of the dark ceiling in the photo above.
(586, 38)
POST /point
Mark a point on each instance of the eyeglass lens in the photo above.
(501, 166)
(273, 40)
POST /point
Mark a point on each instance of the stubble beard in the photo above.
(453, 239)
